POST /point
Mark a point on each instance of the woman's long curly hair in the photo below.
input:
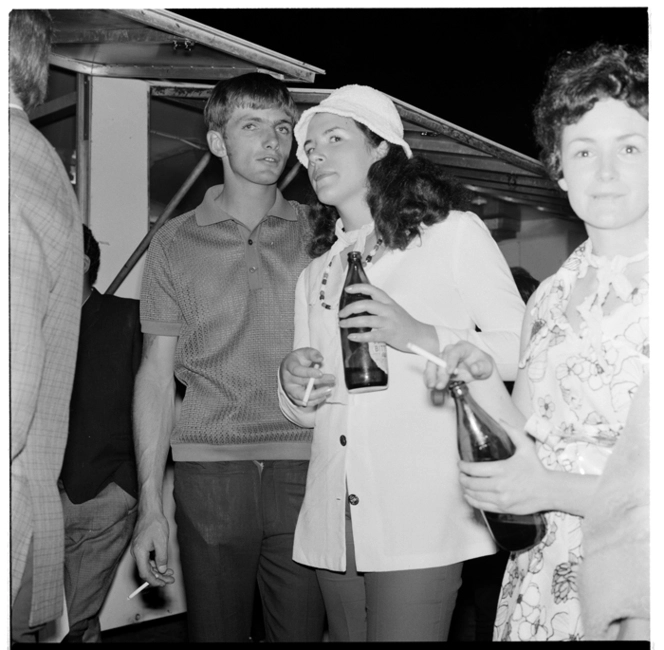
(576, 82)
(403, 195)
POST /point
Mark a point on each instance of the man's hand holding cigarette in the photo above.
(150, 550)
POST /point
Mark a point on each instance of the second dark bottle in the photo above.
(365, 364)
(482, 439)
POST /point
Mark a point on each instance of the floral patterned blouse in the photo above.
(581, 386)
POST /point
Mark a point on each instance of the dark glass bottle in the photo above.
(365, 364)
(482, 439)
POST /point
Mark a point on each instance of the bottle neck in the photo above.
(458, 388)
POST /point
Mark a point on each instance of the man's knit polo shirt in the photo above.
(229, 299)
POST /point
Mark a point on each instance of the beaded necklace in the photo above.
(368, 259)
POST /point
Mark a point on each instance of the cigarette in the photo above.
(427, 355)
(138, 591)
(310, 385)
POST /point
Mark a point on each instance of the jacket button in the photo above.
(353, 500)
(342, 440)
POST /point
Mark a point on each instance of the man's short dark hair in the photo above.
(576, 82)
(91, 249)
(253, 90)
(30, 33)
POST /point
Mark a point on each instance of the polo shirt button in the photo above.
(342, 440)
(252, 269)
(251, 241)
(353, 500)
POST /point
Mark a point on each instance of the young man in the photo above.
(98, 477)
(45, 295)
(217, 313)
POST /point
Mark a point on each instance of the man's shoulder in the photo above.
(33, 157)
(175, 227)
(27, 142)
(41, 194)
(20, 126)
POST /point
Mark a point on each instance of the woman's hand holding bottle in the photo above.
(519, 485)
(295, 372)
(389, 322)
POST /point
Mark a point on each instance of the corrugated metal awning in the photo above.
(484, 166)
(158, 44)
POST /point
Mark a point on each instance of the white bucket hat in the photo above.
(363, 104)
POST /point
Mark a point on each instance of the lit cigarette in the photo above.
(138, 591)
(310, 385)
(427, 355)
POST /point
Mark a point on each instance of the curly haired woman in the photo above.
(584, 343)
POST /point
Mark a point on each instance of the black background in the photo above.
(481, 69)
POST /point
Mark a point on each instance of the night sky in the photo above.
(481, 69)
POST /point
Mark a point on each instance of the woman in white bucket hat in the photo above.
(383, 518)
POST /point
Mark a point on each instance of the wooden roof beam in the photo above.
(476, 162)
(221, 41)
(212, 72)
(441, 143)
(502, 189)
(100, 36)
(520, 183)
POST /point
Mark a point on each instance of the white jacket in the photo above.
(398, 455)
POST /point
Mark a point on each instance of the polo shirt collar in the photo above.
(209, 212)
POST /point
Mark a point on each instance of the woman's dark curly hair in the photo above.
(576, 82)
(403, 194)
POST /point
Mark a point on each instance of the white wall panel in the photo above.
(119, 167)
